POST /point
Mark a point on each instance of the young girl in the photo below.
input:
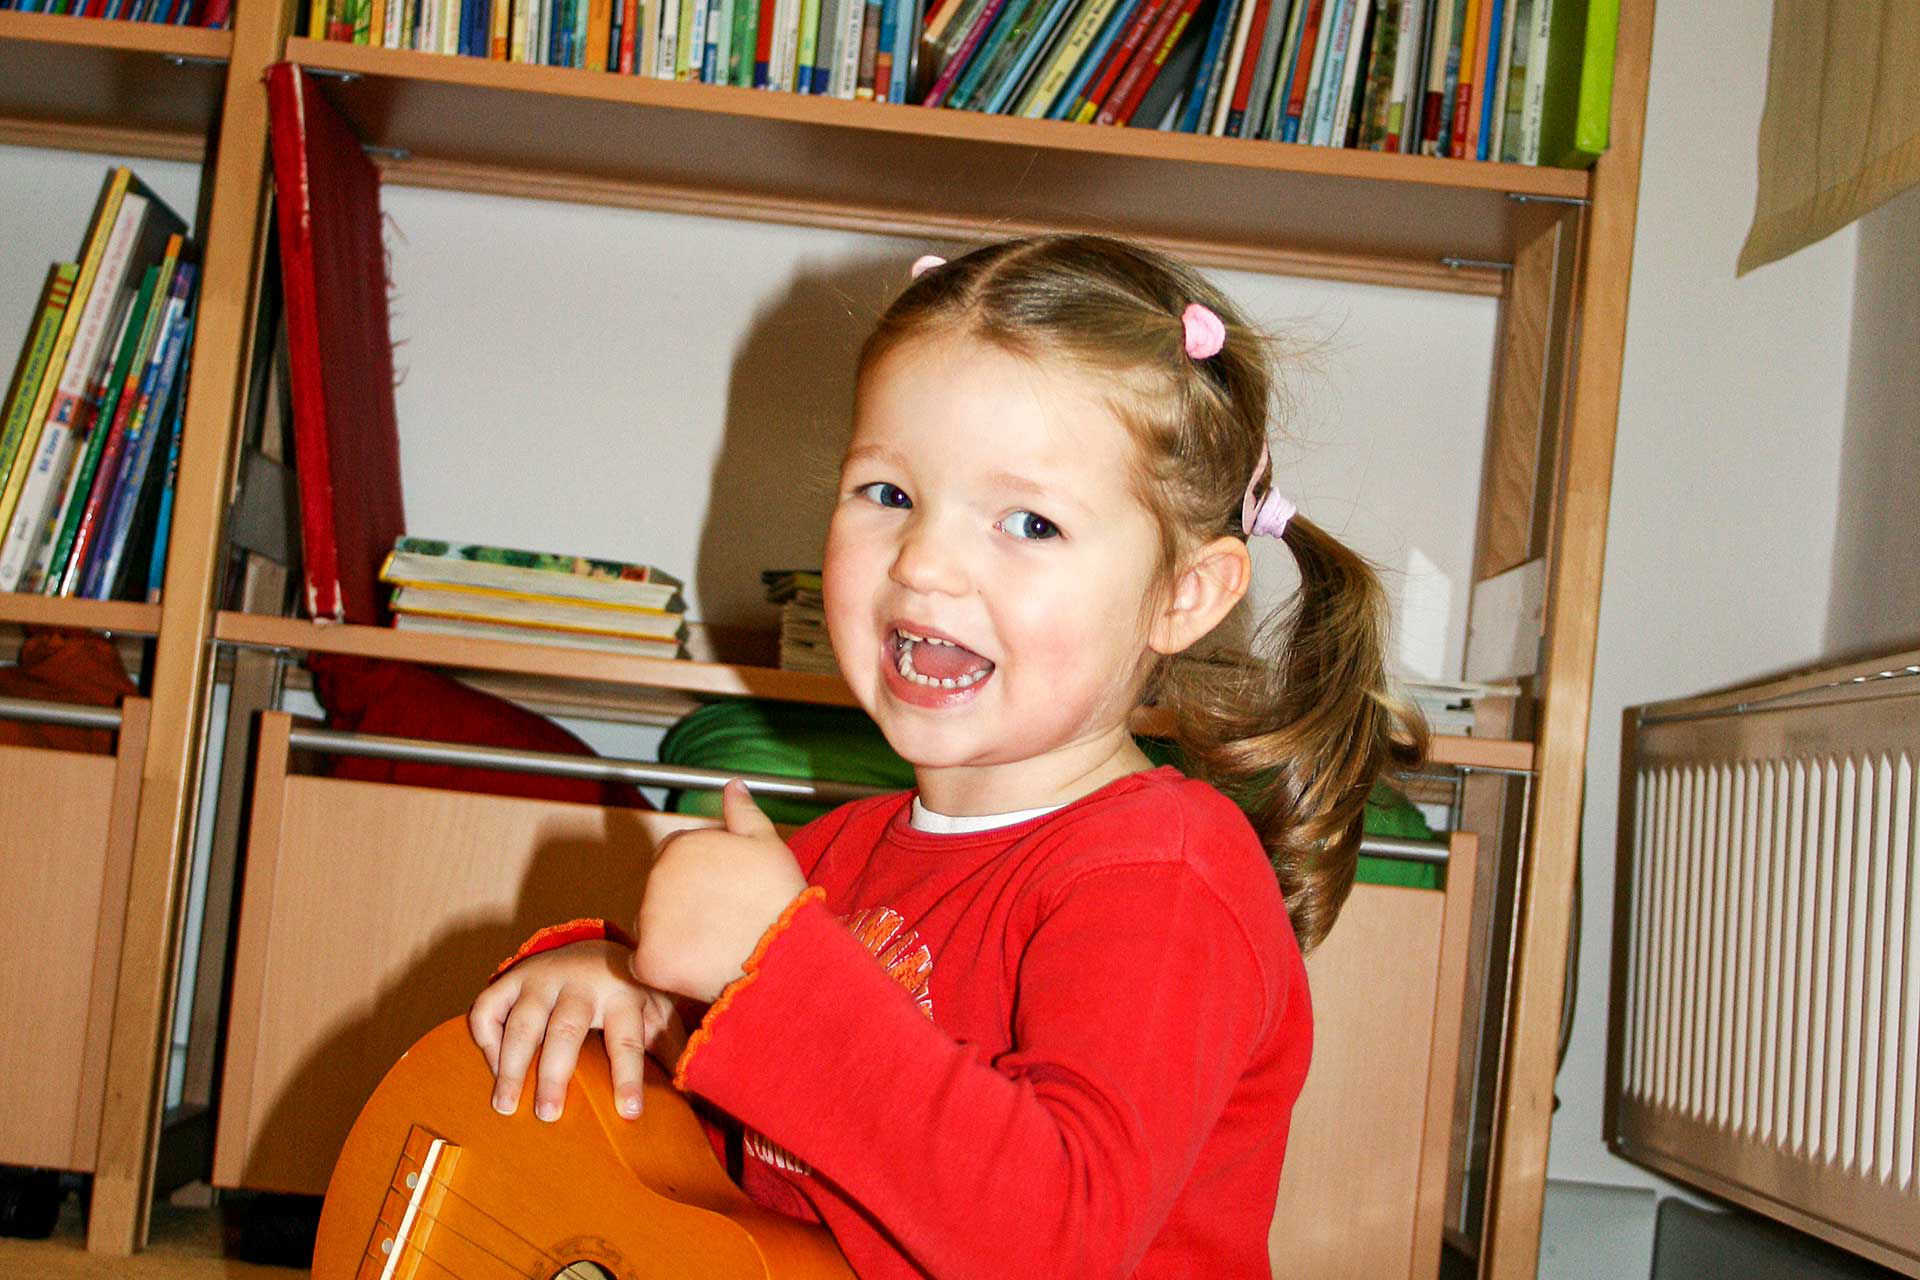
(1045, 1014)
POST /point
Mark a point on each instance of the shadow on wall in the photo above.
(1874, 605)
(788, 416)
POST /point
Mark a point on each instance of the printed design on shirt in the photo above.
(885, 935)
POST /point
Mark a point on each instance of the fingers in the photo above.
(526, 1025)
(567, 1028)
(741, 814)
(487, 1018)
(626, 1041)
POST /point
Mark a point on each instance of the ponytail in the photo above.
(1299, 737)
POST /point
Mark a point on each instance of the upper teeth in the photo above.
(908, 635)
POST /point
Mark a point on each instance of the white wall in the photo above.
(1727, 473)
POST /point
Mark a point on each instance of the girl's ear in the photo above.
(1214, 579)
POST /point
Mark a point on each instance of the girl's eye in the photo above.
(1027, 525)
(886, 495)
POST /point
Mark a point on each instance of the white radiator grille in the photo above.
(1767, 1020)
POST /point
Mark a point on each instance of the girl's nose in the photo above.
(928, 563)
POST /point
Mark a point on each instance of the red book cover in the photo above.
(340, 359)
(1121, 100)
(1117, 58)
(1303, 62)
(1153, 61)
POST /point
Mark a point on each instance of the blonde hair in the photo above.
(1297, 738)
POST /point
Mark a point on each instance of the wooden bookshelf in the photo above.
(585, 136)
(93, 615)
(125, 88)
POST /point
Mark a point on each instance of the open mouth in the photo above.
(935, 663)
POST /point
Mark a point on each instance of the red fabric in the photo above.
(339, 353)
(64, 666)
(559, 935)
(400, 700)
(1078, 1055)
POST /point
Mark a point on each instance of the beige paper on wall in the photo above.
(1841, 131)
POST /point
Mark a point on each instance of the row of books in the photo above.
(90, 441)
(535, 597)
(804, 644)
(1526, 81)
(179, 13)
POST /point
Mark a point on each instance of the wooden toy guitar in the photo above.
(434, 1183)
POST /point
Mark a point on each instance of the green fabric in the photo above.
(791, 740)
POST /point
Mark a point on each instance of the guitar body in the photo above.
(433, 1183)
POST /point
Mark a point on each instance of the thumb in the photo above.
(741, 814)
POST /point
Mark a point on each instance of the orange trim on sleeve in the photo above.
(748, 972)
(559, 935)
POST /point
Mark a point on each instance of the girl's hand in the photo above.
(710, 896)
(549, 1002)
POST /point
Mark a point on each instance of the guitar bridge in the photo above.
(410, 1212)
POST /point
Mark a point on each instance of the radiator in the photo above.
(1765, 1012)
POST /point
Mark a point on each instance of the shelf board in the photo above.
(714, 679)
(551, 132)
(92, 615)
(541, 664)
(130, 88)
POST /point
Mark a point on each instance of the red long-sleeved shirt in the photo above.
(1077, 1056)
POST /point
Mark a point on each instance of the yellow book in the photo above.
(419, 589)
(317, 20)
(377, 24)
(501, 30)
(599, 31)
(1039, 99)
(556, 615)
(103, 219)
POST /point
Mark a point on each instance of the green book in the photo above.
(746, 33)
(1578, 89)
(1003, 26)
(132, 357)
(54, 300)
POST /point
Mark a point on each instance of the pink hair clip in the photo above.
(925, 263)
(1205, 334)
(1270, 514)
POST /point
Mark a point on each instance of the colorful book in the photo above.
(1124, 98)
(1313, 45)
(32, 367)
(1198, 117)
(340, 353)
(631, 646)
(1272, 36)
(1038, 49)
(1117, 59)
(1014, 20)
(1117, 21)
(427, 562)
(950, 73)
(470, 605)
(1351, 79)
(163, 519)
(1578, 82)
(130, 357)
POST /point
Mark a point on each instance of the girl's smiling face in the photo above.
(987, 574)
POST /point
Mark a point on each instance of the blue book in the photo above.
(163, 519)
(1016, 79)
(1275, 125)
(1331, 74)
(889, 20)
(1490, 80)
(906, 43)
(156, 386)
(1223, 18)
(1096, 53)
(1003, 24)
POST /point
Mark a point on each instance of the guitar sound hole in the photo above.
(584, 1271)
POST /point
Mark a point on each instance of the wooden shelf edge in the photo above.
(970, 126)
(164, 39)
(92, 615)
(711, 678)
(1480, 753)
(111, 140)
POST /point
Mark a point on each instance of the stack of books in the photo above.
(90, 440)
(804, 645)
(535, 597)
(1448, 705)
(179, 13)
(1525, 81)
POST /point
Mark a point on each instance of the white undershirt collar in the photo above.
(925, 819)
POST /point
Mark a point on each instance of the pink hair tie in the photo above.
(925, 263)
(1205, 334)
(1270, 514)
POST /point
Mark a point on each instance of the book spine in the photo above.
(1318, 90)
(987, 59)
(1406, 53)
(1493, 117)
(949, 74)
(1350, 73)
(1300, 87)
(806, 46)
(1117, 59)
(905, 45)
(1460, 78)
(869, 49)
(1080, 35)
(846, 69)
(163, 521)
(1037, 50)
(1084, 67)
(54, 300)
(1192, 109)
(1476, 96)
(1272, 36)
(1433, 106)
(156, 386)
(719, 39)
(1276, 110)
(1244, 73)
(1230, 71)
(1534, 103)
(1590, 122)
(1122, 99)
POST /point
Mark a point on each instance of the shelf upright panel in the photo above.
(137, 1055)
(1517, 1167)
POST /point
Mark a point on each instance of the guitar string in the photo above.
(550, 1262)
